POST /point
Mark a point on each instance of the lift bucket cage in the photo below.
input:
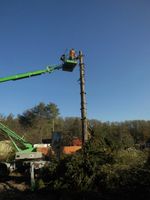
(69, 65)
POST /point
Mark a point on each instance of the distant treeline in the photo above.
(38, 123)
(109, 166)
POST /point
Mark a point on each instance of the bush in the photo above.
(97, 168)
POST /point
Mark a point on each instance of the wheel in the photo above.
(4, 171)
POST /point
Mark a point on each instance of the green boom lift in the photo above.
(20, 144)
(67, 65)
(27, 151)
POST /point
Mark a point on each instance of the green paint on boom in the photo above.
(68, 65)
(49, 69)
(15, 138)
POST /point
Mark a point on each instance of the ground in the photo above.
(15, 187)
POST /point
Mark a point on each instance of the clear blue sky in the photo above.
(115, 38)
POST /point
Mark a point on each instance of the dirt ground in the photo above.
(17, 188)
(12, 190)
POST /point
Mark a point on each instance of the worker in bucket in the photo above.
(72, 54)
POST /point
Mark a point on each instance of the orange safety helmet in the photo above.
(72, 54)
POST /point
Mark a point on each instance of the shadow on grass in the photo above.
(9, 192)
(46, 194)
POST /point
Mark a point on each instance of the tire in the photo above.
(4, 171)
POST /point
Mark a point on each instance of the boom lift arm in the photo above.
(28, 152)
(49, 69)
(67, 65)
(16, 139)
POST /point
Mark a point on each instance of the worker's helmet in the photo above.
(72, 53)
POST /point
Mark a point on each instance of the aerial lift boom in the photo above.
(17, 140)
(28, 153)
(67, 65)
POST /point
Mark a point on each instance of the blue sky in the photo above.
(114, 36)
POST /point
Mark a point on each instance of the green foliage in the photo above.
(78, 172)
(39, 121)
(100, 168)
(124, 169)
(41, 111)
(82, 168)
(131, 157)
(108, 162)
